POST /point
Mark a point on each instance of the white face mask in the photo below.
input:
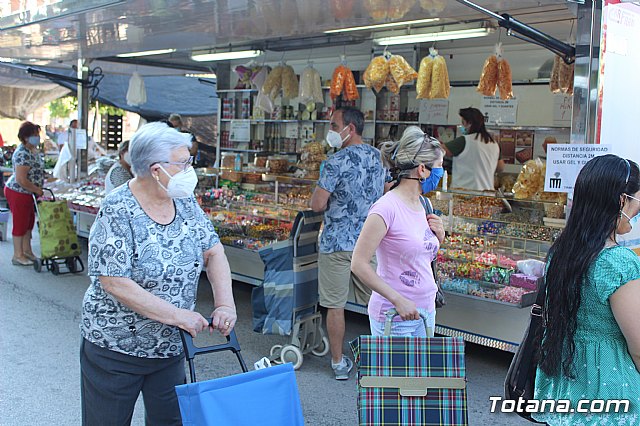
(127, 158)
(334, 139)
(181, 184)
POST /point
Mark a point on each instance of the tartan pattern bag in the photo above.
(411, 380)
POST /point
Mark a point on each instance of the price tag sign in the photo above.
(433, 111)
(291, 130)
(499, 112)
(564, 162)
(81, 139)
(562, 110)
(240, 131)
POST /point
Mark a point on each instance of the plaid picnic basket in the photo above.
(410, 380)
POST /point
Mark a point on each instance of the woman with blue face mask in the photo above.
(476, 156)
(404, 239)
(27, 180)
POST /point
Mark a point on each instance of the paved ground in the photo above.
(39, 368)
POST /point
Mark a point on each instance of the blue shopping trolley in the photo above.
(286, 303)
(268, 397)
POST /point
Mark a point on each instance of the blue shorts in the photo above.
(412, 328)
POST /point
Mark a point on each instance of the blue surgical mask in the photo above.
(432, 181)
(34, 140)
(462, 130)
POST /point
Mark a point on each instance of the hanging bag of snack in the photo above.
(375, 76)
(489, 77)
(504, 75)
(440, 85)
(423, 85)
(401, 71)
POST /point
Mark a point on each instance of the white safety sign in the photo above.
(564, 162)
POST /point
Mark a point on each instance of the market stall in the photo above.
(274, 112)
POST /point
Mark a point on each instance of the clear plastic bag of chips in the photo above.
(273, 83)
(489, 77)
(440, 85)
(401, 71)
(310, 89)
(423, 85)
(378, 71)
(504, 79)
(289, 82)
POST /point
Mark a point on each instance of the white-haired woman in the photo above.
(147, 248)
(404, 239)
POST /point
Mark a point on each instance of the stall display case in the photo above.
(251, 216)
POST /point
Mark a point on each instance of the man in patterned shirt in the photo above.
(351, 181)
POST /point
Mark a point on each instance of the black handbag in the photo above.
(440, 300)
(521, 376)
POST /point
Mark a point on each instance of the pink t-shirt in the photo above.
(404, 256)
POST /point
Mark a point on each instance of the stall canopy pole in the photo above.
(83, 111)
(587, 73)
(527, 33)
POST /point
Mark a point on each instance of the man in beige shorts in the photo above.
(351, 180)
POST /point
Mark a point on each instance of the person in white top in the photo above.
(476, 156)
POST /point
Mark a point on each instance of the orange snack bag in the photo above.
(504, 79)
(337, 81)
(350, 89)
(489, 77)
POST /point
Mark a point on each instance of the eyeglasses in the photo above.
(185, 164)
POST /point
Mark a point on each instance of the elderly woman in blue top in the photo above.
(147, 248)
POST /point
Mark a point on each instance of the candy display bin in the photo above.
(477, 263)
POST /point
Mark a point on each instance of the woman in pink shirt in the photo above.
(404, 239)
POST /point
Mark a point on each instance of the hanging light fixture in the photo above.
(225, 56)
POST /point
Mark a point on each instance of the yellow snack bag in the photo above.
(401, 71)
(440, 88)
(423, 85)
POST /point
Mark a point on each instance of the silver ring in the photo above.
(227, 323)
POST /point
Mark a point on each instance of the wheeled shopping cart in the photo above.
(59, 248)
(266, 397)
(287, 302)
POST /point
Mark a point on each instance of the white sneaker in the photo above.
(342, 369)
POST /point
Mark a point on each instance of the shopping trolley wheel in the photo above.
(274, 354)
(71, 264)
(323, 348)
(55, 269)
(37, 265)
(291, 354)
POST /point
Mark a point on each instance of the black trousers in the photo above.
(112, 381)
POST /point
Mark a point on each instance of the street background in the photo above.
(39, 351)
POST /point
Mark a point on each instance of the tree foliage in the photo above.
(65, 106)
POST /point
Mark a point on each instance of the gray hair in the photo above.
(152, 144)
(415, 147)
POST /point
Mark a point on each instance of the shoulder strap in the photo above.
(427, 205)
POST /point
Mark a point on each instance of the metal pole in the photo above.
(587, 72)
(83, 112)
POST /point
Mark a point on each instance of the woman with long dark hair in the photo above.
(591, 343)
(476, 156)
